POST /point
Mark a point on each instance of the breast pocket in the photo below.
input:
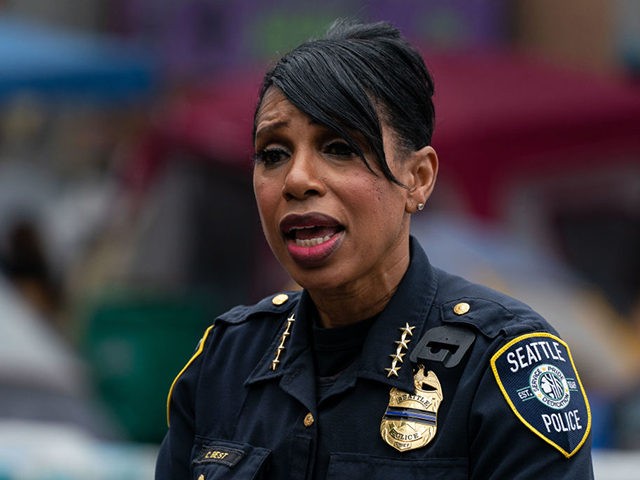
(343, 466)
(220, 460)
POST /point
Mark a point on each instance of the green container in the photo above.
(135, 347)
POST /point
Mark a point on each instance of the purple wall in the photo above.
(192, 35)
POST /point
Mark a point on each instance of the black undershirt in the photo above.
(334, 349)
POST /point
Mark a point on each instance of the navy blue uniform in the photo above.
(246, 405)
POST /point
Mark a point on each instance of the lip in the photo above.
(312, 251)
(307, 220)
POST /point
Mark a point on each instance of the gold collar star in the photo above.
(402, 344)
(392, 371)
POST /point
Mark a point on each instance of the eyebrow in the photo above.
(271, 127)
(283, 123)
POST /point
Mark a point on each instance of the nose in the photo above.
(303, 179)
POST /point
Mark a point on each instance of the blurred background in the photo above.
(127, 220)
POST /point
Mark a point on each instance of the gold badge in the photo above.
(410, 421)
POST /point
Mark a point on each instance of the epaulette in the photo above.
(491, 317)
(274, 304)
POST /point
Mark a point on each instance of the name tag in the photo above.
(219, 454)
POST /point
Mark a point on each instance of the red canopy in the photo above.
(503, 119)
(499, 117)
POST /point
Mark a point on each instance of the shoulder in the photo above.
(528, 364)
(253, 325)
(245, 331)
(488, 311)
(273, 306)
(244, 325)
(240, 334)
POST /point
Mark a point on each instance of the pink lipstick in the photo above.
(311, 238)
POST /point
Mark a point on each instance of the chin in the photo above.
(318, 279)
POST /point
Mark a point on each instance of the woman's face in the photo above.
(329, 220)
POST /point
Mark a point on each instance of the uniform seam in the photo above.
(194, 357)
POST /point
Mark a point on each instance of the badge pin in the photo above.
(410, 421)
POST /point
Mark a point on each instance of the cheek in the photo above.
(379, 192)
(386, 205)
(266, 200)
(262, 191)
(385, 198)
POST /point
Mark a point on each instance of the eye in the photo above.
(271, 156)
(340, 148)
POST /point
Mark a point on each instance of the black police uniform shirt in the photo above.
(453, 381)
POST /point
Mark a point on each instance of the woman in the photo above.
(383, 366)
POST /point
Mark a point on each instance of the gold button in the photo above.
(461, 308)
(201, 477)
(280, 299)
(308, 420)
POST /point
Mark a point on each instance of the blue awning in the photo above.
(62, 64)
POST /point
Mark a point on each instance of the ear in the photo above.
(421, 171)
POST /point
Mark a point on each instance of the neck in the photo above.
(353, 303)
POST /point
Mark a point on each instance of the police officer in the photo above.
(384, 366)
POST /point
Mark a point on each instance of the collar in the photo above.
(409, 307)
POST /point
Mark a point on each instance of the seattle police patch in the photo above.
(538, 378)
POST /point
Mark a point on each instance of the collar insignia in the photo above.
(283, 339)
(402, 344)
(410, 421)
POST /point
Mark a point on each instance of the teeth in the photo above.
(312, 242)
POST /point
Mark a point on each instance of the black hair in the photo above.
(352, 76)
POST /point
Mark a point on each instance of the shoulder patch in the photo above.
(539, 381)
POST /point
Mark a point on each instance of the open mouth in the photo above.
(312, 236)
